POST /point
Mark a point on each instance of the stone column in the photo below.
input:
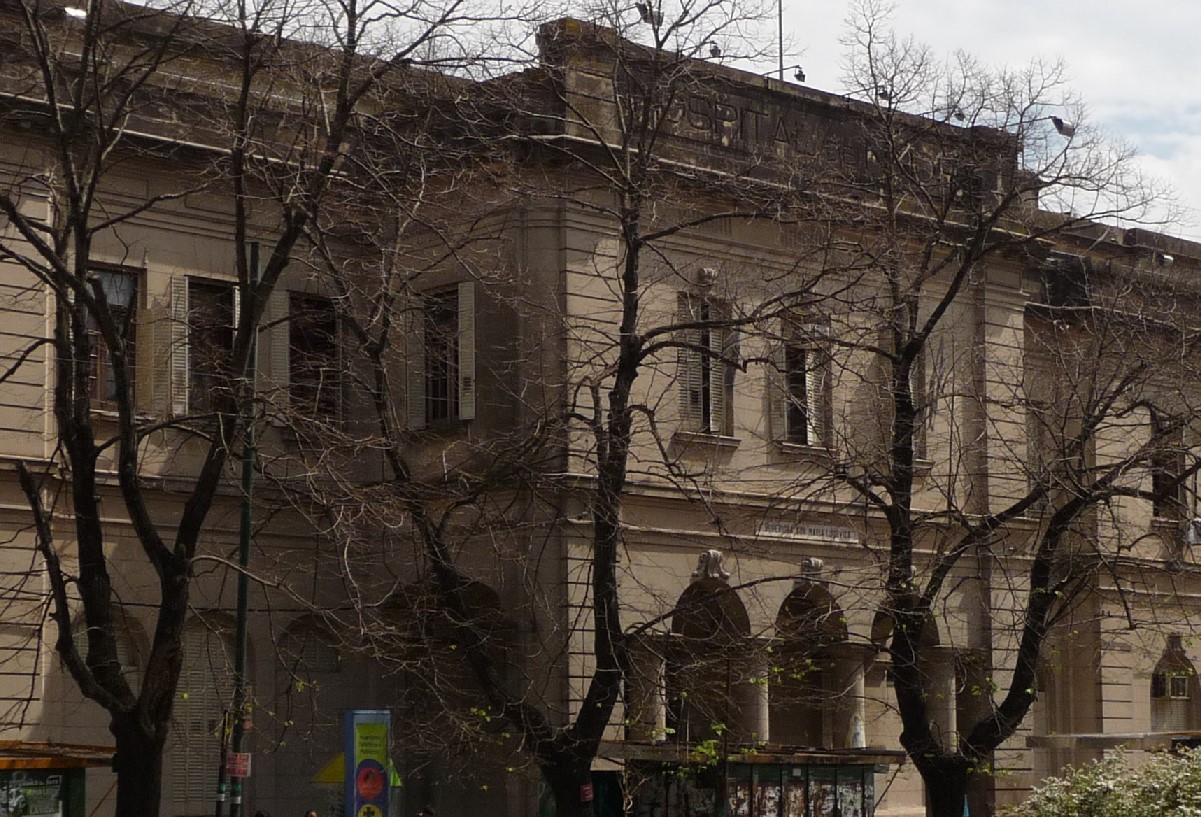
(849, 726)
(646, 704)
(760, 722)
(939, 664)
(750, 711)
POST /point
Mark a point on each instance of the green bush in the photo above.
(1163, 785)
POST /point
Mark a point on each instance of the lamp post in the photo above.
(238, 706)
(247, 519)
(780, 35)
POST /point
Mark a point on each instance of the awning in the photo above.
(23, 754)
(669, 753)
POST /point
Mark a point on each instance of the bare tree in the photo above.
(237, 109)
(503, 420)
(1004, 333)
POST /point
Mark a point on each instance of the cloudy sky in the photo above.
(1136, 64)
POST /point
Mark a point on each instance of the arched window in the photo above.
(314, 685)
(705, 665)
(308, 647)
(203, 699)
(804, 678)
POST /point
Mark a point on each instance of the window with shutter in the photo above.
(706, 366)
(120, 288)
(442, 381)
(203, 698)
(1167, 464)
(800, 386)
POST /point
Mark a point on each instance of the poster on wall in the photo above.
(767, 798)
(823, 793)
(850, 796)
(794, 794)
(740, 798)
(366, 735)
(31, 794)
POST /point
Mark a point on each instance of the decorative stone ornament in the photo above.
(708, 566)
(811, 567)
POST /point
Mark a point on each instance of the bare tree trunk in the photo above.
(567, 779)
(946, 780)
(138, 764)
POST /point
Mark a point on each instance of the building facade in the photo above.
(791, 307)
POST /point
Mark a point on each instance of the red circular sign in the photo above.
(370, 782)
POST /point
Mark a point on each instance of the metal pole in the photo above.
(248, 454)
(780, 32)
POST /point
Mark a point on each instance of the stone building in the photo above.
(754, 562)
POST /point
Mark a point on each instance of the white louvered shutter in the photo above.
(919, 393)
(179, 345)
(777, 392)
(689, 371)
(237, 306)
(815, 390)
(153, 383)
(204, 694)
(717, 381)
(818, 405)
(279, 379)
(467, 380)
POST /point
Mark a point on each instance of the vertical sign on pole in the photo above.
(365, 737)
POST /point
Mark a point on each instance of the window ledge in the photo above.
(452, 424)
(108, 414)
(803, 451)
(704, 439)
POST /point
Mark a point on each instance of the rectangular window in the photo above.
(706, 366)
(800, 386)
(314, 377)
(1170, 685)
(120, 288)
(441, 360)
(1167, 466)
(803, 371)
(212, 318)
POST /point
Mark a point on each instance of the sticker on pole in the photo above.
(237, 764)
(369, 781)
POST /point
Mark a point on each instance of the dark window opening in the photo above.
(1167, 467)
(313, 374)
(797, 363)
(211, 316)
(442, 357)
